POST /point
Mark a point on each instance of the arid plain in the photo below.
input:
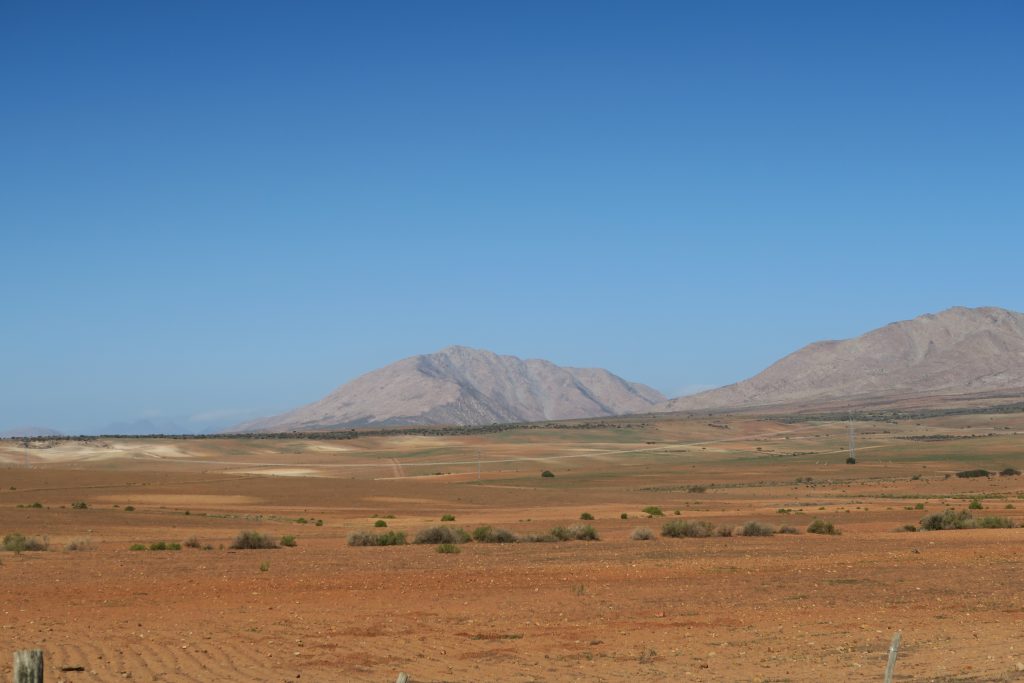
(785, 607)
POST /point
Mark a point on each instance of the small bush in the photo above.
(79, 505)
(448, 549)
(624, 516)
(975, 504)
(380, 524)
(441, 534)
(947, 520)
(756, 529)
(679, 528)
(288, 541)
(697, 488)
(583, 532)
(969, 474)
(642, 534)
(560, 533)
(36, 505)
(547, 473)
(537, 538)
(820, 526)
(653, 511)
(724, 531)
(129, 508)
(488, 534)
(788, 530)
(994, 523)
(19, 543)
(264, 566)
(587, 517)
(252, 540)
(365, 538)
(80, 544)
(319, 522)
(919, 506)
(447, 518)
(1009, 472)
(192, 542)
(137, 546)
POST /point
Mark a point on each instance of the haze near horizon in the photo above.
(213, 213)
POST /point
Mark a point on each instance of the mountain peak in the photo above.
(459, 385)
(956, 351)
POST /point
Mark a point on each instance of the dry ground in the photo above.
(782, 608)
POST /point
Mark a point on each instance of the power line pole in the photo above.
(853, 442)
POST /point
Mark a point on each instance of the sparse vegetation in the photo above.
(724, 531)
(252, 540)
(536, 538)
(164, 545)
(19, 543)
(129, 508)
(264, 566)
(821, 526)
(975, 504)
(947, 520)
(380, 523)
(448, 549)
(583, 532)
(79, 505)
(1009, 472)
(756, 529)
(441, 534)
(547, 473)
(447, 518)
(366, 538)
(488, 534)
(77, 544)
(288, 541)
(994, 523)
(653, 511)
(968, 474)
(137, 546)
(642, 534)
(680, 528)
(624, 516)
(788, 530)
(586, 516)
(192, 542)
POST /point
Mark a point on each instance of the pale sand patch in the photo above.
(280, 472)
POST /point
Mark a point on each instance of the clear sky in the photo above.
(211, 211)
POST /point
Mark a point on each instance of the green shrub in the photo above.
(547, 473)
(968, 474)
(192, 542)
(820, 526)
(319, 522)
(129, 508)
(252, 540)
(488, 534)
(756, 529)
(441, 534)
(994, 523)
(19, 543)
(264, 566)
(919, 506)
(36, 505)
(624, 516)
(681, 528)
(537, 538)
(642, 534)
(137, 546)
(587, 517)
(947, 520)
(1009, 472)
(288, 541)
(560, 533)
(583, 532)
(380, 524)
(365, 538)
(724, 531)
(448, 549)
(975, 504)
(158, 545)
(447, 518)
(653, 511)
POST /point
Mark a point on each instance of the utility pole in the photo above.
(853, 442)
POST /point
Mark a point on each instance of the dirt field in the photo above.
(787, 607)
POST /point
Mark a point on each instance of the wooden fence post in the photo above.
(893, 649)
(28, 666)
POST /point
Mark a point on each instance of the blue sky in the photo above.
(210, 211)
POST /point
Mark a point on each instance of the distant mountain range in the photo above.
(464, 386)
(958, 352)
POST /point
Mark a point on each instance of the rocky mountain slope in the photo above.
(956, 352)
(463, 386)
